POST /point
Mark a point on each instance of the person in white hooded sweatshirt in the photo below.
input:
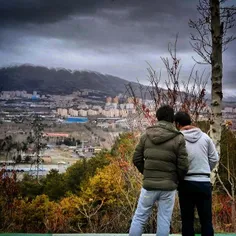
(196, 190)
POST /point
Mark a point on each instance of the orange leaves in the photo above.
(39, 215)
(103, 202)
(228, 123)
(222, 210)
(124, 147)
(8, 185)
(147, 114)
(124, 165)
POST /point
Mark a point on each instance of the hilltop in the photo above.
(59, 80)
(65, 81)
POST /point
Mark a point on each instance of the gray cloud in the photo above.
(109, 36)
(43, 11)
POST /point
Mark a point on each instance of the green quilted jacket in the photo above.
(161, 157)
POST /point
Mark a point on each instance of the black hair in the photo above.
(165, 113)
(182, 118)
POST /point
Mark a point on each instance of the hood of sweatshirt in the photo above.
(191, 134)
(162, 132)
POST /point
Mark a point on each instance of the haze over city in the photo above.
(114, 37)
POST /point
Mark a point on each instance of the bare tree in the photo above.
(209, 41)
(183, 95)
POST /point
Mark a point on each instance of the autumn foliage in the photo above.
(94, 196)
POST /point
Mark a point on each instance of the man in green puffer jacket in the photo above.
(162, 159)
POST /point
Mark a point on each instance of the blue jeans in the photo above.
(166, 201)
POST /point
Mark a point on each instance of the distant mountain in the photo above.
(59, 81)
(229, 99)
(226, 99)
(62, 81)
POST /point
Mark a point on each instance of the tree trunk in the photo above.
(233, 207)
(216, 77)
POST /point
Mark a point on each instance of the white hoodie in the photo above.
(202, 154)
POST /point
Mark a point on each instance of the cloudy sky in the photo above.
(113, 37)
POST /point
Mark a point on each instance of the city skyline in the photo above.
(114, 37)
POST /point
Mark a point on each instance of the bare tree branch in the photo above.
(188, 96)
(222, 184)
(201, 39)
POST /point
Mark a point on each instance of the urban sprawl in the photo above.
(75, 126)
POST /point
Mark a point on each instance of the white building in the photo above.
(114, 105)
(73, 112)
(83, 106)
(108, 113)
(122, 106)
(92, 112)
(228, 109)
(83, 112)
(62, 112)
(129, 106)
(116, 113)
(96, 107)
(123, 113)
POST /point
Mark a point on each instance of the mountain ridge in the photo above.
(59, 80)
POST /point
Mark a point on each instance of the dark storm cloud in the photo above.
(98, 23)
(43, 11)
(47, 11)
(109, 36)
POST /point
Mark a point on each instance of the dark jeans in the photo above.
(196, 194)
